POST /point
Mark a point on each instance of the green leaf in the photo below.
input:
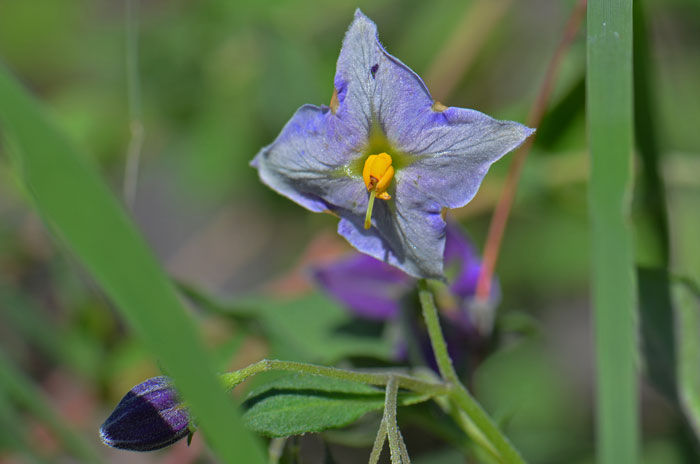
(315, 329)
(83, 213)
(303, 403)
(610, 123)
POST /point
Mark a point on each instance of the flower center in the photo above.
(377, 174)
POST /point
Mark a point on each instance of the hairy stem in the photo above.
(458, 392)
(378, 443)
(392, 429)
(231, 379)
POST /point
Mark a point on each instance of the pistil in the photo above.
(370, 206)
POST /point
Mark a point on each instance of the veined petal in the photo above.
(368, 287)
(374, 86)
(454, 150)
(408, 232)
(306, 161)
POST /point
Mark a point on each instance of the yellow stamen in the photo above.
(377, 174)
(334, 101)
(438, 107)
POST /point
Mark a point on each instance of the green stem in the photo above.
(232, 379)
(458, 392)
(378, 443)
(275, 449)
(461, 418)
(392, 391)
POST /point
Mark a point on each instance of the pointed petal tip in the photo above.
(254, 163)
(360, 14)
(104, 436)
(527, 132)
(361, 19)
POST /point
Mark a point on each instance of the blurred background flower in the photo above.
(372, 289)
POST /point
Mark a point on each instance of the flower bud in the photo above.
(149, 417)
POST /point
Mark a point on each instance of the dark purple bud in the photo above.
(149, 417)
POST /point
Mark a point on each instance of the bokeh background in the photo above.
(216, 81)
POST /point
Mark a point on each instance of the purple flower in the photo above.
(149, 417)
(373, 289)
(385, 157)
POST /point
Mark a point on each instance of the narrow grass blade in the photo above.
(83, 213)
(610, 122)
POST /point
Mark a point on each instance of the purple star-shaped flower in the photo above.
(385, 157)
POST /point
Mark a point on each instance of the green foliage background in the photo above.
(218, 80)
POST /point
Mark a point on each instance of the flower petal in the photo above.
(374, 86)
(455, 149)
(408, 232)
(368, 287)
(306, 161)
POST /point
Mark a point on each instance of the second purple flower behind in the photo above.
(372, 289)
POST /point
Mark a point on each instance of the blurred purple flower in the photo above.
(149, 417)
(372, 289)
(384, 137)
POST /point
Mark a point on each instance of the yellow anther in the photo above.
(377, 174)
